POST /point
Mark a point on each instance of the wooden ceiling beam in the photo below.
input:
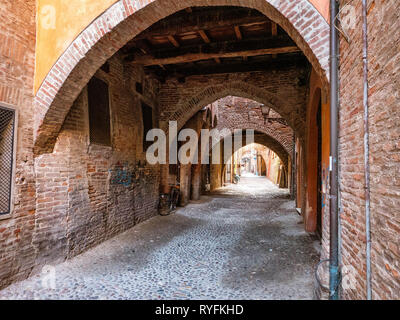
(236, 45)
(213, 50)
(144, 46)
(173, 41)
(206, 39)
(296, 60)
(239, 36)
(204, 36)
(191, 57)
(274, 33)
(274, 29)
(196, 22)
(238, 33)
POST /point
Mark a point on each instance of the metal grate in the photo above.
(7, 126)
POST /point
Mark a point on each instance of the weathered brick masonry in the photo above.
(235, 113)
(127, 18)
(17, 60)
(384, 99)
(180, 101)
(81, 198)
(64, 199)
(68, 192)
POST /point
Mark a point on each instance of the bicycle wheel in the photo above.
(174, 195)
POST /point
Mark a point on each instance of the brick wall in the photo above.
(127, 18)
(180, 101)
(240, 113)
(384, 28)
(87, 193)
(17, 60)
(384, 98)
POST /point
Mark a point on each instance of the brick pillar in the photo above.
(196, 182)
(185, 184)
(164, 186)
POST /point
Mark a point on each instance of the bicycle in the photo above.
(173, 198)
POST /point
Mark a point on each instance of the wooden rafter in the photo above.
(204, 36)
(173, 41)
(213, 50)
(239, 36)
(274, 33)
(283, 62)
(190, 57)
(238, 33)
(274, 29)
(144, 46)
(196, 22)
(206, 39)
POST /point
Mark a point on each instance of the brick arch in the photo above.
(284, 144)
(263, 156)
(269, 142)
(237, 117)
(187, 107)
(127, 18)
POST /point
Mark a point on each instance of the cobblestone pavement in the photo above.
(243, 242)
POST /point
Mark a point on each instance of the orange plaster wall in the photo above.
(71, 17)
(312, 151)
(55, 33)
(322, 6)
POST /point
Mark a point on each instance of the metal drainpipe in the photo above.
(366, 149)
(333, 201)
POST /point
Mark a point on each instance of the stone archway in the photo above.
(126, 19)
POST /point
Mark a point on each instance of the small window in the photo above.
(147, 114)
(139, 87)
(99, 112)
(7, 136)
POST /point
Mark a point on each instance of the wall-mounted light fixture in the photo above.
(265, 111)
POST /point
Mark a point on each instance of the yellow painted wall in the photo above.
(322, 6)
(274, 168)
(59, 22)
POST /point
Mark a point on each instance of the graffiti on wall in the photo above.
(121, 175)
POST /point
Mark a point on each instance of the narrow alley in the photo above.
(242, 241)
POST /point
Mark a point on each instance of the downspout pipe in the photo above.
(334, 273)
(366, 149)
